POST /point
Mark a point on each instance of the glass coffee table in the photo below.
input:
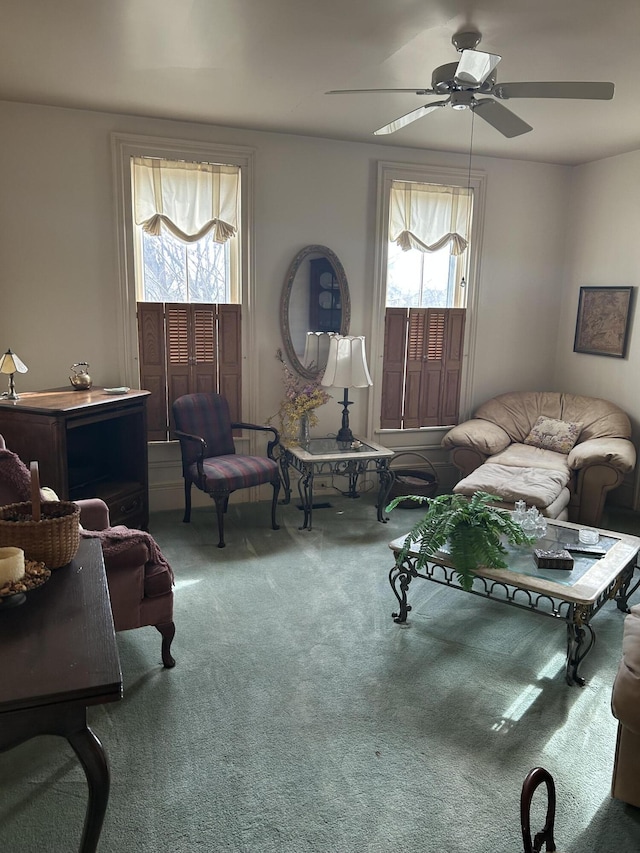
(573, 596)
(326, 456)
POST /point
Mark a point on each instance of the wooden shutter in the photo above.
(452, 368)
(230, 355)
(204, 359)
(433, 356)
(413, 391)
(442, 367)
(179, 350)
(187, 348)
(395, 346)
(422, 367)
(153, 375)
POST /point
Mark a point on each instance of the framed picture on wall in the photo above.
(602, 325)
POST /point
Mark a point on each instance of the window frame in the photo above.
(449, 176)
(125, 146)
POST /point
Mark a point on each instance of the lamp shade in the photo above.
(10, 363)
(346, 363)
(316, 349)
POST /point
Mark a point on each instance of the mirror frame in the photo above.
(333, 259)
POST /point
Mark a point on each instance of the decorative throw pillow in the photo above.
(551, 434)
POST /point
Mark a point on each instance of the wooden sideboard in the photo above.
(87, 444)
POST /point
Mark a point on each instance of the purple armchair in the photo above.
(209, 459)
(139, 578)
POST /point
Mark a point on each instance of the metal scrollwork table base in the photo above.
(324, 456)
(571, 596)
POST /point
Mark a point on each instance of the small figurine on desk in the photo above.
(80, 379)
(356, 445)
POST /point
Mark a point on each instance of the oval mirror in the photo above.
(315, 303)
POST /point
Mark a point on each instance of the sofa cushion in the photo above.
(554, 434)
(599, 418)
(486, 437)
(625, 700)
(526, 456)
(556, 510)
(537, 486)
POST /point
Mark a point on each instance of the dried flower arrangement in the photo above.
(301, 399)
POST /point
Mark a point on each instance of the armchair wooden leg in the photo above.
(168, 632)
(274, 503)
(221, 502)
(187, 501)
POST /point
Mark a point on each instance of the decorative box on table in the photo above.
(553, 559)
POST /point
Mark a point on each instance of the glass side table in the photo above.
(326, 456)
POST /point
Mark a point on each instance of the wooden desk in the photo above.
(58, 655)
(89, 444)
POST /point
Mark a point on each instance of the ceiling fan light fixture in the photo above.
(475, 67)
(461, 100)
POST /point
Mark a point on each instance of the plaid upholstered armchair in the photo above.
(209, 459)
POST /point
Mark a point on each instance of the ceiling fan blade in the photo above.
(364, 91)
(475, 66)
(590, 91)
(501, 118)
(414, 115)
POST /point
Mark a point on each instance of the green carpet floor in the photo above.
(301, 719)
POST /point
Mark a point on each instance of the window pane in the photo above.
(163, 269)
(174, 271)
(420, 279)
(208, 270)
(403, 278)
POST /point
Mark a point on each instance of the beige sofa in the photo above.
(625, 704)
(495, 452)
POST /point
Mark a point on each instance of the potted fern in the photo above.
(471, 529)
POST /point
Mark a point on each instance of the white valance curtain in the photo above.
(190, 199)
(428, 216)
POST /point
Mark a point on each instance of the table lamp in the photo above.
(346, 368)
(10, 363)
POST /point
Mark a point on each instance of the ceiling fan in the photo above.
(475, 74)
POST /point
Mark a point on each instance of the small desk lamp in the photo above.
(10, 363)
(346, 368)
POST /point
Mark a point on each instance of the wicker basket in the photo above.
(413, 482)
(47, 532)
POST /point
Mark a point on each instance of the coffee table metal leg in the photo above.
(626, 591)
(578, 649)
(400, 578)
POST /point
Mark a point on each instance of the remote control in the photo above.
(580, 548)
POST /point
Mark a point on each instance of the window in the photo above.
(183, 211)
(185, 217)
(429, 231)
(425, 259)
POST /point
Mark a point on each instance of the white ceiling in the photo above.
(266, 64)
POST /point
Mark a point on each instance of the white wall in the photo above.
(59, 264)
(603, 250)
